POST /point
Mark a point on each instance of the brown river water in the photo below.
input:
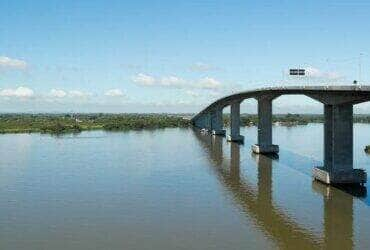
(176, 189)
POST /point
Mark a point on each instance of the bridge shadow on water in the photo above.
(304, 165)
(258, 203)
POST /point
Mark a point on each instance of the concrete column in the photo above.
(199, 122)
(328, 136)
(208, 122)
(235, 123)
(265, 145)
(264, 122)
(338, 147)
(342, 138)
(217, 122)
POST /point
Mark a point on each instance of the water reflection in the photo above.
(338, 217)
(258, 202)
(264, 164)
(304, 164)
(235, 162)
(216, 152)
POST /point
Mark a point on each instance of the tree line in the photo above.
(75, 123)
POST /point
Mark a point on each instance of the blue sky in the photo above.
(172, 56)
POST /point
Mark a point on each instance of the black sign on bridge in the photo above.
(297, 72)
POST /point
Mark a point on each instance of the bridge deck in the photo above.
(356, 90)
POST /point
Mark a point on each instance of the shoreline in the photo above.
(65, 132)
(76, 123)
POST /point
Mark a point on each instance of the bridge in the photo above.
(338, 104)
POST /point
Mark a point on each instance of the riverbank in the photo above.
(75, 123)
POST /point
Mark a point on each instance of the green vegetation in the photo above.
(128, 122)
(75, 123)
(367, 149)
(67, 123)
(60, 128)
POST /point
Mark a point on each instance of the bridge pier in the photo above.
(264, 145)
(338, 147)
(206, 122)
(200, 122)
(217, 122)
(235, 123)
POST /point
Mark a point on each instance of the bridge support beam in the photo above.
(338, 147)
(203, 122)
(207, 122)
(235, 123)
(217, 122)
(199, 122)
(265, 145)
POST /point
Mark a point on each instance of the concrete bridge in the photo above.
(338, 104)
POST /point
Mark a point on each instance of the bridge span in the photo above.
(338, 104)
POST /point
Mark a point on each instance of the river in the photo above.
(176, 189)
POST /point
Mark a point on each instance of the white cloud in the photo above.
(10, 63)
(208, 83)
(114, 93)
(192, 93)
(63, 94)
(143, 79)
(21, 92)
(176, 82)
(58, 93)
(215, 94)
(184, 102)
(201, 67)
(172, 81)
(78, 94)
(317, 73)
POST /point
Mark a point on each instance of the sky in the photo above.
(175, 56)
